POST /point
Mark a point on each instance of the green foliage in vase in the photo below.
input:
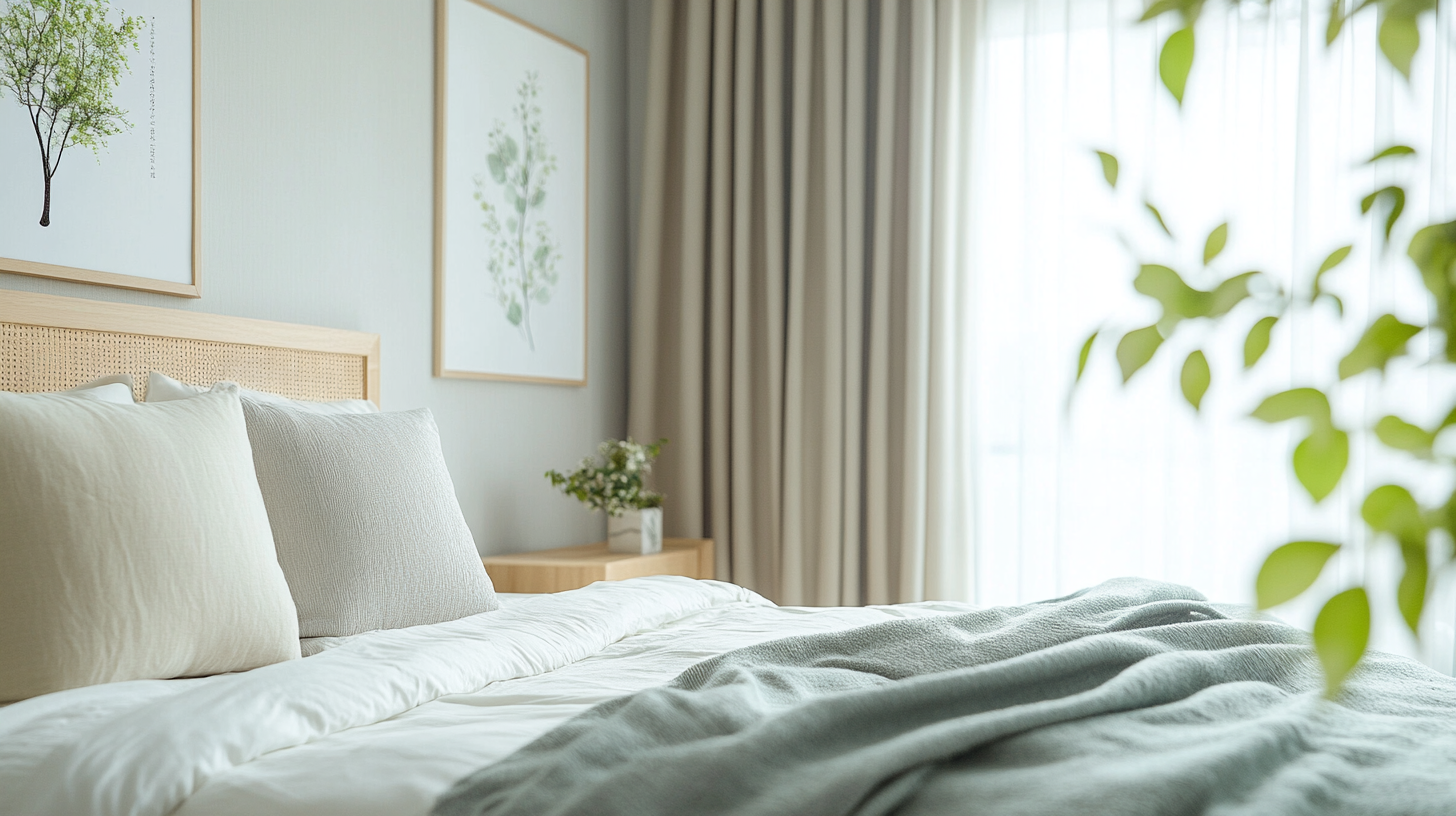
(521, 253)
(614, 482)
(61, 60)
(1421, 533)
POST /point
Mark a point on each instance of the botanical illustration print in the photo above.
(521, 255)
(61, 60)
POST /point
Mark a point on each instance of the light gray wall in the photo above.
(317, 145)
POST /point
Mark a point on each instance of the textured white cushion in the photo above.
(134, 544)
(368, 529)
(161, 388)
(111, 388)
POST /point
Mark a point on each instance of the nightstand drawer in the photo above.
(574, 567)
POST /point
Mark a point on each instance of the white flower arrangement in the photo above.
(615, 483)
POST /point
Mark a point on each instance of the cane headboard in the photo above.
(50, 343)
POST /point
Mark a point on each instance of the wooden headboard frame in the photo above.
(50, 343)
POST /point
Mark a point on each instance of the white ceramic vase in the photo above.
(635, 531)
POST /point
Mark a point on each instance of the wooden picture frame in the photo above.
(142, 120)
(482, 307)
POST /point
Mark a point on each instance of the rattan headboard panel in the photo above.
(37, 358)
(50, 344)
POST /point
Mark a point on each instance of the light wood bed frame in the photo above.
(50, 343)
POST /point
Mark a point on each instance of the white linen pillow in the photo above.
(161, 388)
(134, 544)
(368, 529)
(111, 388)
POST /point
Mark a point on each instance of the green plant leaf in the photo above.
(1084, 354)
(1308, 403)
(1393, 150)
(1158, 216)
(1331, 261)
(1229, 294)
(1195, 378)
(1166, 286)
(1397, 205)
(1341, 633)
(1337, 21)
(1109, 168)
(1320, 460)
(1400, 38)
(1394, 432)
(1258, 340)
(1136, 348)
(1290, 570)
(1383, 341)
(1175, 62)
(497, 169)
(1433, 249)
(1410, 594)
(1158, 8)
(513, 313)
(1334, 259)
(1391, 509)
(1217, 239)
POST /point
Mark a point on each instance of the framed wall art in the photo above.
(511, 140)
(99, 142)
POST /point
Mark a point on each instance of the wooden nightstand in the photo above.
(574, 567)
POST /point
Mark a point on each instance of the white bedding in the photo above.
(381, 723)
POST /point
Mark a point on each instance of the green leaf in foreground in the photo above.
(1332, 260)
(1396, 433)
(1176, 61)
(1384, 340)
(1084, 354)
(1136, 348)
(1337, 22)
(1410, 594)
(1393, 150)
(1195, 378)
(1433, 249)
(1397, 205)
(1320, 460)
(1258, 340)
(1290, 570)
(1158, 216)
(1309, 403)
(1109, 168)
(1217, 239)
(1341, 633)
(1400, 38)
(1391, 509)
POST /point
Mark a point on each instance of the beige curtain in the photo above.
(798, 302)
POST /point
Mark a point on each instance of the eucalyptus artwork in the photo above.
(1422, 533)
(522, 255)
(615, 483)
(61, 60)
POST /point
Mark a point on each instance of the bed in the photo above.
(671, 695)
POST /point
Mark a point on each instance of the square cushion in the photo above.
(134, 544)
(365, 518)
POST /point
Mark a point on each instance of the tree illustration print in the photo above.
(521, 255)
(61, 60)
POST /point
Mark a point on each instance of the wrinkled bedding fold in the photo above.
(1133, 697)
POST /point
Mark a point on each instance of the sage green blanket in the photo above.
(1133, 697)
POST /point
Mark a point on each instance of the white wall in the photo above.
(317, 140)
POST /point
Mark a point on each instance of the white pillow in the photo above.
(111, 388)
(364, 514)
(134, 544)
(161, 388)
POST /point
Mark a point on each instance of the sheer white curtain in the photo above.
(1272, 139)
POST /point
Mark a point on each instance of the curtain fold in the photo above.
(796, 309)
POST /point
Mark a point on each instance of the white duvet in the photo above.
(382, 723)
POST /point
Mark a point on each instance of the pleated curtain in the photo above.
(799, 293)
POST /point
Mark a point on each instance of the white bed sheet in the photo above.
(73, 750)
